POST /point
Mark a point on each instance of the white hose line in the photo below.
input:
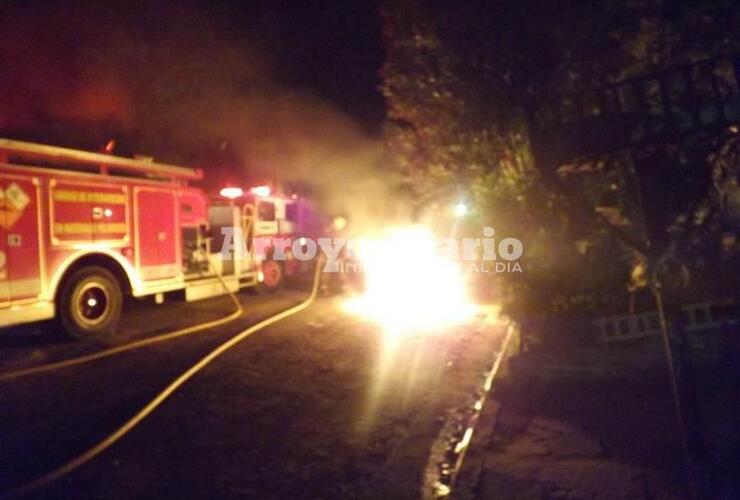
(118, 434)
(48, 367)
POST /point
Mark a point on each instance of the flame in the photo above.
(410, 285)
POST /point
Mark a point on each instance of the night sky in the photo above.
(330, 47)
(64, 60)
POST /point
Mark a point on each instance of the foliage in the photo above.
(459, 81)
(459, 133)
(703, 240)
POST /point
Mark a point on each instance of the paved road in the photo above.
(320, 405)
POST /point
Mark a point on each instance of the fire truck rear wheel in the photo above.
(272, 277)
(90, 303)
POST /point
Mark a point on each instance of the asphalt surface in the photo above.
(320, 405)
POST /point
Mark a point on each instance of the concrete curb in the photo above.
(470, 472)
(468, 475)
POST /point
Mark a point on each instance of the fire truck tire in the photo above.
(89, 303)
(273, 276)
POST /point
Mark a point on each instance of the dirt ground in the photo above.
(608, 439)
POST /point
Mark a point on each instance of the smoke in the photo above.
(308, 145)
(177, 83)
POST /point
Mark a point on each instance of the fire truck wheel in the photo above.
(272, 277)
(89, 304)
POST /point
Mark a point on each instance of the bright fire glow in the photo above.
(410, 286)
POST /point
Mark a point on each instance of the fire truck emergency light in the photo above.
(231, 192)
(261, 191)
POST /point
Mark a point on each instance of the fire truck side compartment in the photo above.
(55, 220)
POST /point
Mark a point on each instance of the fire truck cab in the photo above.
(265, 222)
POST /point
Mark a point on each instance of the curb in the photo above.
(470, 471)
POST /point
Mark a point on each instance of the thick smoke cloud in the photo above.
(178, 84)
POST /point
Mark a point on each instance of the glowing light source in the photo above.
(231, 192)
(261, 191)
(410, 286)
(339, 223)
(461, 210)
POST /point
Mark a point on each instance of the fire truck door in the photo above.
(21, 247)
(223, 217)
(157, 250)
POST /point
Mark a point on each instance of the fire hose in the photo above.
(153, 404)
(58, 365)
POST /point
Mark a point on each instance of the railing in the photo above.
(628, 327)
(698, 317)
(23, 152)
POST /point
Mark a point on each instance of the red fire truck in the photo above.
(79, 231)
(265, 223)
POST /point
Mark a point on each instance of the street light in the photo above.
(461, 210)
(339, 223)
